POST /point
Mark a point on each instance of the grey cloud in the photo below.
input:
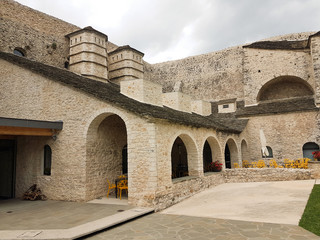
(157, 26)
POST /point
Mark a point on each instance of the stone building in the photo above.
(77, 110)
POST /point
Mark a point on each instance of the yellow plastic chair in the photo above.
(122, 185)
(110, 186)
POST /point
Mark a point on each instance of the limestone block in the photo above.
(201, 107)
(314, 166)
(142, 90)
(125, 72)
(178, 101)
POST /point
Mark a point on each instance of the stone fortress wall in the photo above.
(40, 36)
(217, 75)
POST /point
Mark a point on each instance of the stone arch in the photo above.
(106, 138)
(211, 146)
(230, 153)
(184, 157)
(284, 87)
(308, 148)
(244, 150)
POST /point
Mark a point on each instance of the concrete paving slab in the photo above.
(77, 231)
(62, 220)
(168, 226)
(269, 202)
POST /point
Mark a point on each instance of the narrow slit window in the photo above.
(225, 106)
(47, 160)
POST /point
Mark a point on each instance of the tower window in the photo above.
(225, 106)
(18, 52)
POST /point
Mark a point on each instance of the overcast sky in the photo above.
(171, 29)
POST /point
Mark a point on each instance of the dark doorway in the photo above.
(7, 168)
(125, 160)
(227, 157)
(207, 157)
(179, 159)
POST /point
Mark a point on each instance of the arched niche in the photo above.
(244, 150)
(284, 87)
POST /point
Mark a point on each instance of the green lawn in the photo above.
(310, 219)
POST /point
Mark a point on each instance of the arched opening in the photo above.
(184, 157)
(284, 87)
(106, 153)
(227, 157)
(211, 153)
(244, 150)
(230, 153)
(207, 157)
(308, 148)
(179, 159)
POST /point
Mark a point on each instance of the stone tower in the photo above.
(125, 63)
(88, 53)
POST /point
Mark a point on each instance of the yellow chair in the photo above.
(122, 185)
(110, 186)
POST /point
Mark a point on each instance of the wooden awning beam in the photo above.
(23, 131)
(26, 127)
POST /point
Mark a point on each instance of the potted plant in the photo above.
(216, 166)
(316, 155)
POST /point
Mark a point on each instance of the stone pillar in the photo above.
(314, 166)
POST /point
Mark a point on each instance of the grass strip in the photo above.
(310, 219)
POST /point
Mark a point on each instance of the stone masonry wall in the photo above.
(315, 54)
(261, 66)
(211, 76)
(265, 174)
(49, 49)
(41, 36)
(27, 95)
(285, 134)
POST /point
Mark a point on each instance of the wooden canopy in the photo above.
(24, 127)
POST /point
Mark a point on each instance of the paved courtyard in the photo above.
(166, 227)
(237, 211)
(271, 202)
